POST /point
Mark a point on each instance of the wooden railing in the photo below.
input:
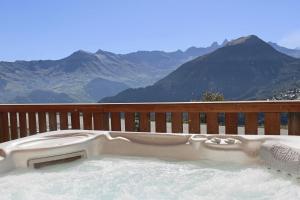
(22, 120)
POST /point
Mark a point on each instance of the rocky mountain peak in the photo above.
(250, 40)
(224, 42)
(214, 44)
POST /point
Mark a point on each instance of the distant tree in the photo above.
(212, 96)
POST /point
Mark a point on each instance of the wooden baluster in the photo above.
(101, 121)
(63, 121)
(272, 124)
(75, 120)
(13, 126)
(87, 121)
(4, 129)
(115, 121)
(177, 126)
(52, 121)
(129, 121)
(231, 123)
(42, 122)
(294, 123)
(251, 123)
(160, 122)
(23, 124)
(32, 123)
(145, 122)
(212, 123)
(194, 122)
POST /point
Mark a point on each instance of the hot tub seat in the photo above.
(281, 157)
(153, 138)
(52, 140)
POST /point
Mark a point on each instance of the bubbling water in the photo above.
(137, 178)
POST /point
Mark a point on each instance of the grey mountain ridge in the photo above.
(245, 68)
(83, 75)
(77, 75)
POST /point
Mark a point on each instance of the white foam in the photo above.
(133, 178)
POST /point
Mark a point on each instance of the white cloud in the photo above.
(291, 40)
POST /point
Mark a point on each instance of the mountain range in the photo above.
(244, 69)
(88, 77)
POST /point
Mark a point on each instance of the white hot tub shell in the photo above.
(277, 152)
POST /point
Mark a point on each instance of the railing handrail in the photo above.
(20, 120)
(220, 106)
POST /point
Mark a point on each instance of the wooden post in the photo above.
(23, 124)
(212, 123)
(32, 123)
(160, 122)
(115, 121)
(75, 119)
(13, 126)
(231, 123)
(194, 122)
(177, 122)
(4, 129)
(52, 121)
(42, 122)
(101, 120)
(145, 122)
(294, 123)
(251, 123)
(87, 120)
(272, 123)
(129, 121)
(63, 121)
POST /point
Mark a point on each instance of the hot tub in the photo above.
(78, 164)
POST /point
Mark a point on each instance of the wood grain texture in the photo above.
(212, 123)
(177, 126)
(63, 121)
(129, 121)
(294, 123)
(4, 129)
(194, 122)
(101, 121)
(206, 107)
(13, 126)
(32, 123)
(52, 121)
(23, 124)
(115, 121)
(42, 122)
(87, 121)
(272, 123)
(251, 123)
(160, 122)
(145, 122)
(231, 123)
(75, 120)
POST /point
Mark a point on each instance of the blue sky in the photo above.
(52, 29)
